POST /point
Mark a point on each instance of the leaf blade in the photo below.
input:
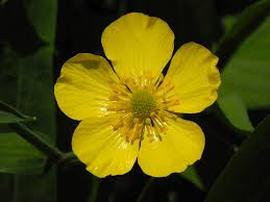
(241, 181)
(235, 111)
(191, 175)
(17, 156)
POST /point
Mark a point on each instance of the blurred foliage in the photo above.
(36, 37)
(247, 21)
(192, 175)
(235, 110)
(247, 175)
(26, 82)
(247, 74)
(18, 156)
(245, 79)
(7, 117)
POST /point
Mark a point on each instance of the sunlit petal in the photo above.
(84, 86)
(138, 45)
(103, 150)
(195, 78)
(180, 146)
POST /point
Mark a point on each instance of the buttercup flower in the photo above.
(128, 112)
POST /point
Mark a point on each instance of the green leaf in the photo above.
(19, 156)
(26, 82)
(228, 23)
(6, 117)
(245, 79)
(250, 17)
(247, 21)
(191, 175)
(235, 111)
(247, 176)
(9, 114)
(248, 72)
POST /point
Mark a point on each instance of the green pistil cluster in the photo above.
(142, 104)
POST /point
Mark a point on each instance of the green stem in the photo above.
(40, 143)
(145, 189)
(69, 159)
(11, 109)
(95, 182)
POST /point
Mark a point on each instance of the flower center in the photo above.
(142, 104)
(141, 108)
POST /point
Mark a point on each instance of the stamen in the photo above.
(142, 105)
(159, 81)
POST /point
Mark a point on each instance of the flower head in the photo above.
(128, 111)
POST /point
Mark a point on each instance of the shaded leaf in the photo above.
(2, 2)
(8, 108)
(7, 117)
(246, 176)
(27, 83)
(245, 80)
(95, 183)
(249, 19)
(6, 183)
(17, 29)
(191, 175)
(19, 156)
(235, 111)
(248, 72)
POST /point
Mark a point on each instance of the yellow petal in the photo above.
(181, 145)
(138, 44)
(195, 77)
(104, 151)
(84, 86)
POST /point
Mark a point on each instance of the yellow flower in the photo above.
(128, 112)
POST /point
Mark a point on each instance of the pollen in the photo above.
(142, 104)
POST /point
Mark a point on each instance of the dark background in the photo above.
(79, 27)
